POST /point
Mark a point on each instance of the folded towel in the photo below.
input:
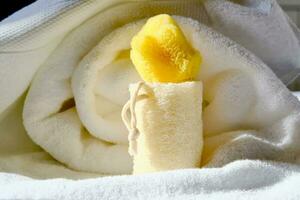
(251, 115)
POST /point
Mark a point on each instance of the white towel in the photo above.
(238, 180)
(29, 37)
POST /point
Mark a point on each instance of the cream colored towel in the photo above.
(73, 106)
(168, 122)
(245, 103)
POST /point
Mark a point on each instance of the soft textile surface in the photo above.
(50, 40)
(238, 180)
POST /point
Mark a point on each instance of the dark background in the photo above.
(8, 7)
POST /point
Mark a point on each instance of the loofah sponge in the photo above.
(161, 53)
(164, 113)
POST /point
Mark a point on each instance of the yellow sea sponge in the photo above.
(161, 53)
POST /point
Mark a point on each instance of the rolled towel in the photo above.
(166, 126)
(72, 109)
(73, 112)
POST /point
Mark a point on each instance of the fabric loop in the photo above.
(130, 121)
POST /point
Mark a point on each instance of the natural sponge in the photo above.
(161, 53)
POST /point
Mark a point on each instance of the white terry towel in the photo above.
(251, 114)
